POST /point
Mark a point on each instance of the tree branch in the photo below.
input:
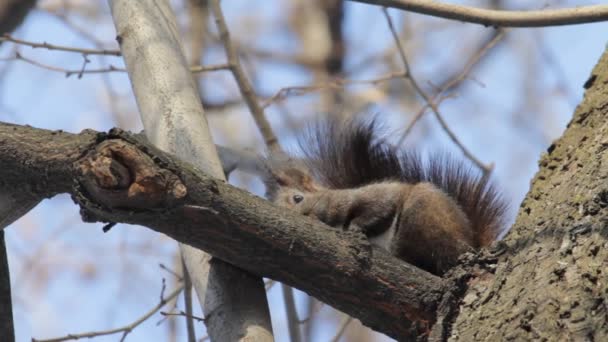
(45, 45)
(174, 120)
(245, 86)
(427, 99)
(126, 329)
(121, 178)
(488, 17)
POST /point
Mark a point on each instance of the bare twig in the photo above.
(68, 72)
(343, 325)
(170, 271)
(80, 72)
(314, 307)
(188, 316)
(206, 68)
(426, 98)
(488, 17)
(45, 45)
(125, 329)
(13, 12)
(437, 98)
(336, 83)
(241, 79)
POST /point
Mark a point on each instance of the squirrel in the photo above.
(424, 213)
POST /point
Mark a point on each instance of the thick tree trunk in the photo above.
(234, 302)
(551, 283)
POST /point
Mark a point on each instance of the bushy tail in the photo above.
(350, 154)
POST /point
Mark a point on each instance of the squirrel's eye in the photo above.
(298, 198)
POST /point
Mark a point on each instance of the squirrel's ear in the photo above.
(295, 178)
(282, 178)
(309, 184)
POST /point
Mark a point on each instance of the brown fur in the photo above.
(351, 178)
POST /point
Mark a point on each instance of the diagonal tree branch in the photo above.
(257, 111)
(121, 178)
(499, 18)
(427, 98)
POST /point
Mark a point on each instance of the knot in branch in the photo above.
(119, 175)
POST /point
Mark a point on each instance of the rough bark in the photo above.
(33, 169)
(14, 203)
(550, 283)
(121, 178)
(22, 188)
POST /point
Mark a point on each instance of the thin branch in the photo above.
(125, 329)
(45, 45)
(438, 97)
(206, 68)
(314, 307)
(333, 84)
(426, 98)
(80, 72)
(68, 72)
(241, 79)
(457, 72)
(497, 18)
(189, 317)
(183, 314)
(343, 325)
(170, 271)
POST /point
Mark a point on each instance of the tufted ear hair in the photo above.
(288, 173)
(294, 178)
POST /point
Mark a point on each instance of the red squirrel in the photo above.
(425, 213)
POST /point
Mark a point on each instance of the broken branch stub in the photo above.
(117, 174)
